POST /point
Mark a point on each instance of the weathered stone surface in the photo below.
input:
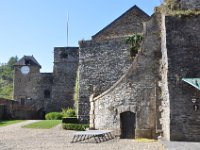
(136, 90)
(184, 4)
(105, 58)
(102, 63)
(183, 43)
(64, 75)
(163, 93)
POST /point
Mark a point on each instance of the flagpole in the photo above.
(67, 28)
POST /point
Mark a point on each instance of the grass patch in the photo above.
(44, 124)
(145, 140)
(9, 122)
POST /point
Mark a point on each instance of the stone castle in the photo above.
(145, 97)
(46, 92)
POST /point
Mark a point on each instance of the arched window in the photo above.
(47, 94)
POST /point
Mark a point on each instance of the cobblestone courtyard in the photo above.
(14, 137)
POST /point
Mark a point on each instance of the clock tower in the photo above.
(25, 72)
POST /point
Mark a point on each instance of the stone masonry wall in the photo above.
(136, 91)
(183, 44)
(24, 85)
(184, 4)
(65, 69)
(128, 23)
(28, 91)
(43, 83)
(102, 63)
(6, 110)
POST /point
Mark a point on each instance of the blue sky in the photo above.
(35, 27)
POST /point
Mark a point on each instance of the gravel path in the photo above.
(171, 145)
(13, 137)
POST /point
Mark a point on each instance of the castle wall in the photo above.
(130, 22)
(136, 91)
(102, 63)
(190, 4)
(183, 43)
(43, 83)
(6, 108)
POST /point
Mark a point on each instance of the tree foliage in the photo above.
(6, 78)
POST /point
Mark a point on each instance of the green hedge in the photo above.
(72, 120)
(77, 127)
(68, 112)
(53, 116)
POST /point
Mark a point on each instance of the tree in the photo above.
(6, 78)
(12, 61)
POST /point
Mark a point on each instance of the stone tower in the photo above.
(64, 77)
(181, 36)
(26, 71)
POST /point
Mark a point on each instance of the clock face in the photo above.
(25, 70)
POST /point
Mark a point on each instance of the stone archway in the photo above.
(127, 125)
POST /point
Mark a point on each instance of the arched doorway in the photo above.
(127, 125)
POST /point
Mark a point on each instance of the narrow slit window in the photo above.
(47, 94)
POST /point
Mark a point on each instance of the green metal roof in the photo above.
(195, 82)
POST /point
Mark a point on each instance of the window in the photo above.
(47, 94)
(63, 55)
(22, 101)
(27, 62)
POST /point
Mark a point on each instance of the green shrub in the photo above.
(53, 116)
(68, 112)
(70, 120)
(77, 127)
(134, 41)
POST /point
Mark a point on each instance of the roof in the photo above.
(195, 82)
(134, 9)
(27, 60)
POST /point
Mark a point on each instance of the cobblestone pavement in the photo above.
(13, 137)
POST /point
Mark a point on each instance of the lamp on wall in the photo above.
(195, 105)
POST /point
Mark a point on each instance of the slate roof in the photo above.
(27, 60)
